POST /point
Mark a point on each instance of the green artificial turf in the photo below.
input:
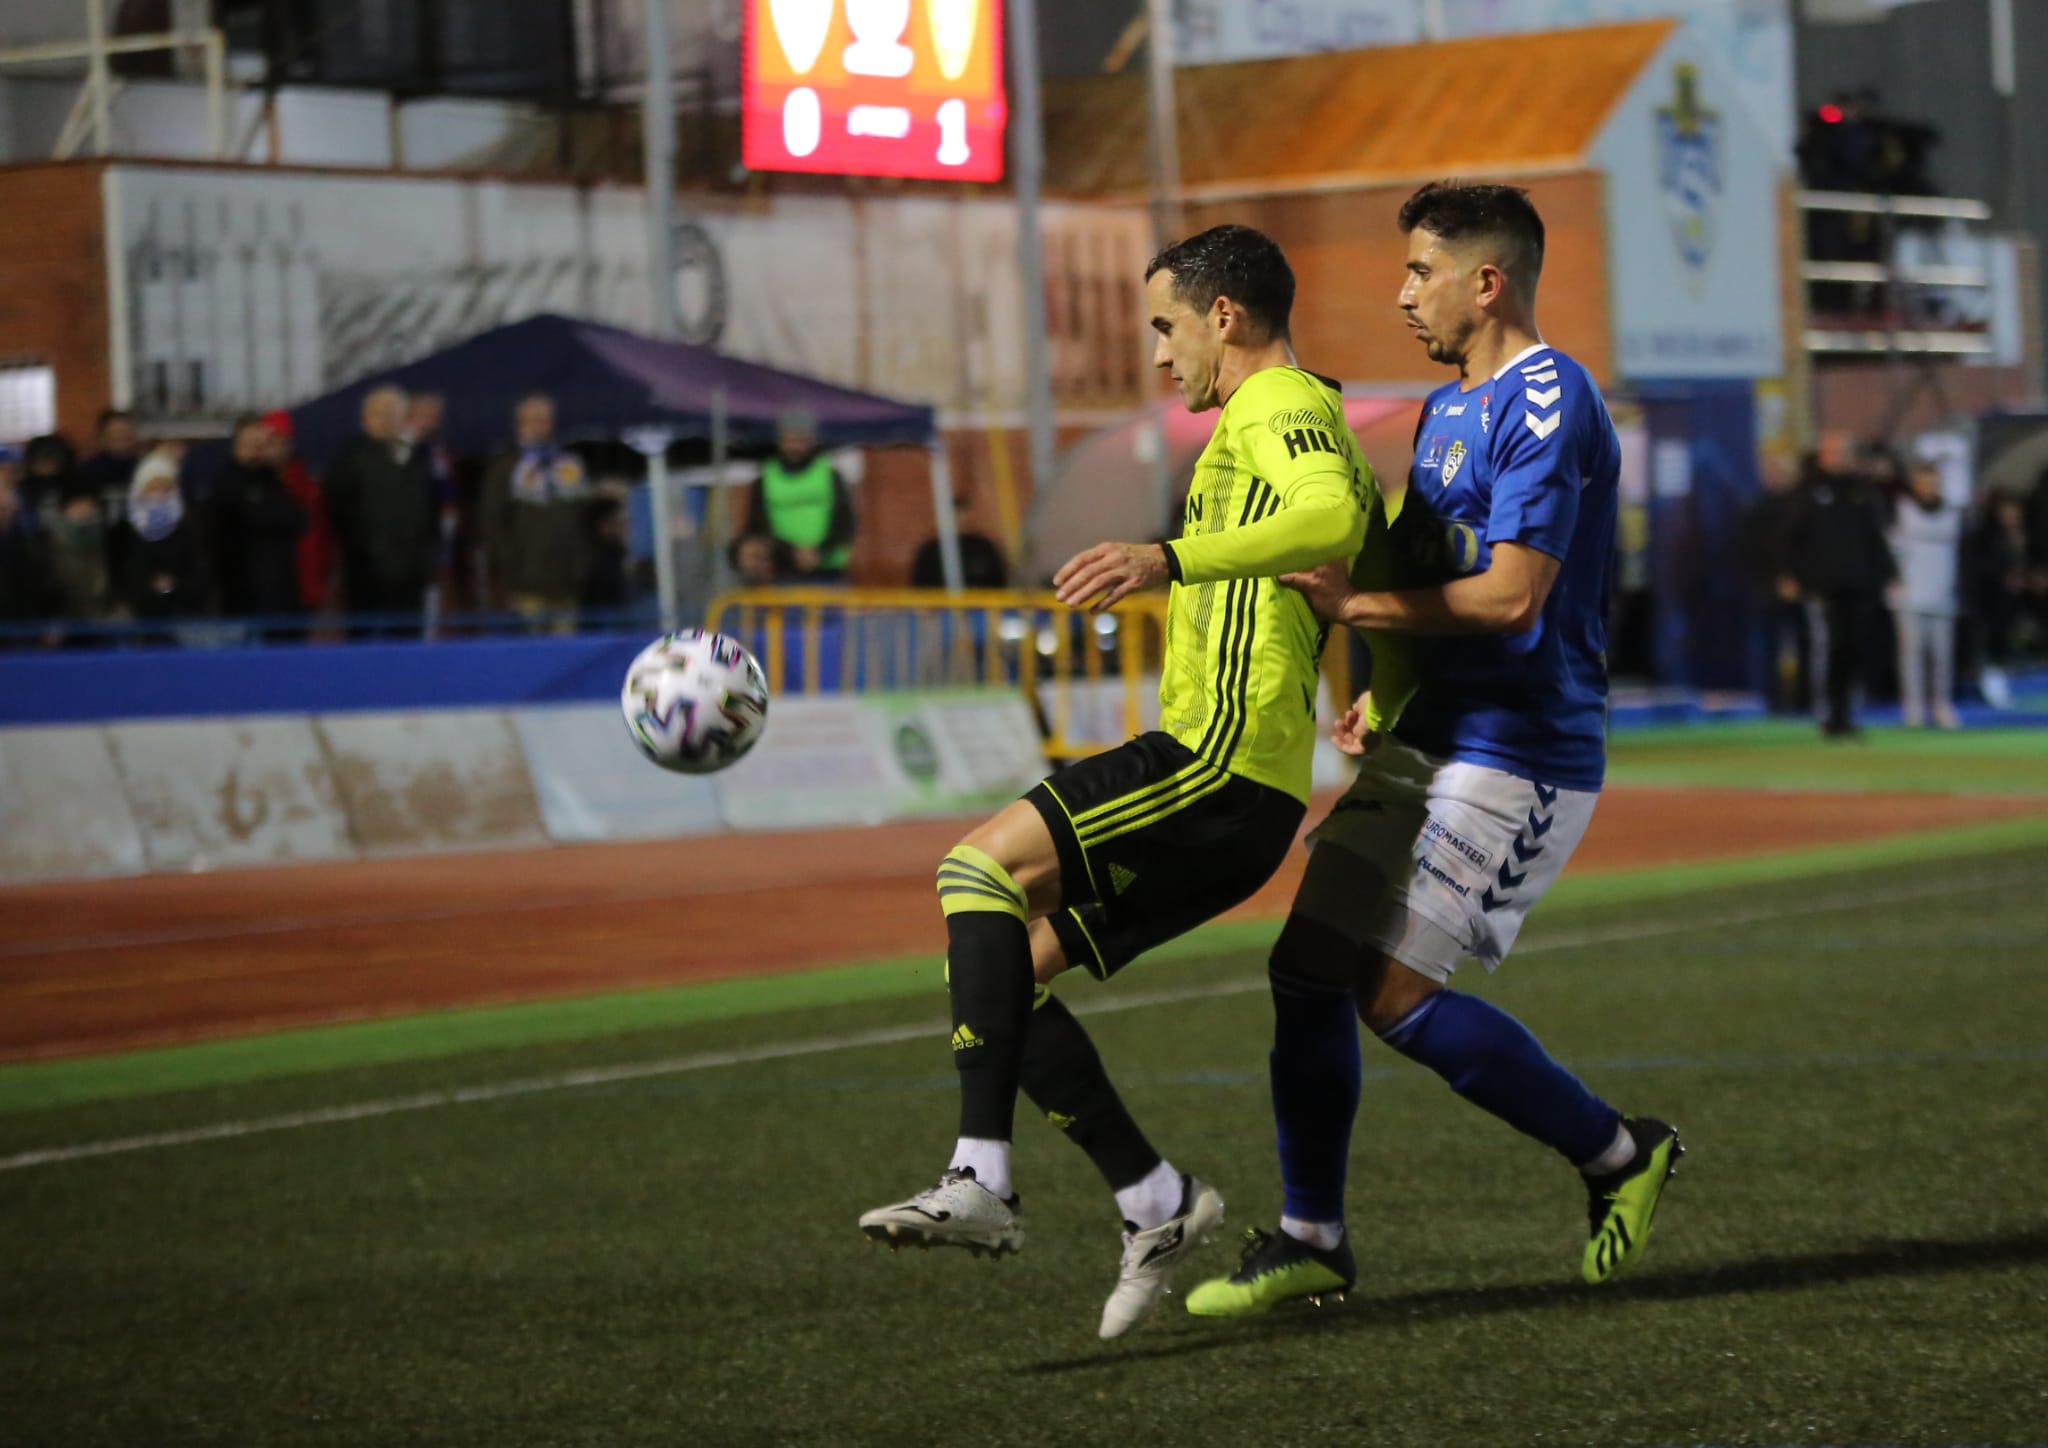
(426, 1036)
(1855, 1251)
(1783, 755)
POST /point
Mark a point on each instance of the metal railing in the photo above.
(835, 640)
(1092, 679)
(1887, 302)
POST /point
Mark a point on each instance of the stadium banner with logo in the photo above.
(841, 760)
(823, 762)
(1692, 258)
(592, 784)
(209, 794)
(959, 751)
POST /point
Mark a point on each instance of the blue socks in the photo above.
(1491, 1060)
(1316, 1073)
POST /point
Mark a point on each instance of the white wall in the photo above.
(316, 126)
(278, 285)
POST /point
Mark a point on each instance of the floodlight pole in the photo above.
(1164, 131)
(658, 148)
(2004, 85)
(1027, 151)
(1168, 220)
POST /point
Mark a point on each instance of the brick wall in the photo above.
(53, 285)
(1876, 400)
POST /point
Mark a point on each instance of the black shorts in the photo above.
(1153, 840)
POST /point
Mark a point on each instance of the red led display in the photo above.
(874, 88)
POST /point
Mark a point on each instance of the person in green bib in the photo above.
(799, 526)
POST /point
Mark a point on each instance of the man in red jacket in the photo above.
(316, 544)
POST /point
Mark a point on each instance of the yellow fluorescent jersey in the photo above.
(1281, 486)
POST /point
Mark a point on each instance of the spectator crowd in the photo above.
(140, 536)
(1875, 577)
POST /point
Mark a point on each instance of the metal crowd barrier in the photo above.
(840, 640)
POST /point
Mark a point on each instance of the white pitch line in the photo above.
(895, 1035)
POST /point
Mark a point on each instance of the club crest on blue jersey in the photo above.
(1689, 169)
(1453, 460)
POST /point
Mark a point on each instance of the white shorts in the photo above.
(1432, 860)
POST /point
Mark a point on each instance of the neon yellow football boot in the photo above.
(1276, 1268)
(1620, 1206)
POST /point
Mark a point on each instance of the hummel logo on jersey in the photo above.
(1543, 399)
(964, 1038)
(1543, 428)
(1541, 364)
(1547, 376)
(1458, 411)
(1452, 460)
(1121, 879)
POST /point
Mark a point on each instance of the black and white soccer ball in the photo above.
(695, 701)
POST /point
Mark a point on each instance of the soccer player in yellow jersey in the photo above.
(1117, 853)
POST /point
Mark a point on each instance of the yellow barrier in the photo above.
(847, 640)
(916, 638)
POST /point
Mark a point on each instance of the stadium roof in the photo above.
(1492, 106)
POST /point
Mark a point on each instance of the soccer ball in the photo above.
(695, 701)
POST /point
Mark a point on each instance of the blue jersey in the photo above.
(1526, 456)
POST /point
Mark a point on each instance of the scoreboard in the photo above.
(908, 88)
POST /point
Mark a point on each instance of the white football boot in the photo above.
(958, 1212)
(1152, 1256)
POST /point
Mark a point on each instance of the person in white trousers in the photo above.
(1926, 539)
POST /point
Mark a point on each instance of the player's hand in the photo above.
(1327, 589)
(1350, 733)
(1108, 572)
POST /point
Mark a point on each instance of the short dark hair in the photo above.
(1502, 215)
(112, 414)
(1237, 262)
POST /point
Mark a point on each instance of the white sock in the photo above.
(1320, 1235)
(1154, 1201)
(990, 1160)
(1620, 1152)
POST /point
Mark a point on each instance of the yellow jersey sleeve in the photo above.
(1287, 431)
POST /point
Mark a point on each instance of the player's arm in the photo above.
(1308, 505)
(1529, 531)
(1305, 511)
(1292, 537)
(1507, 598)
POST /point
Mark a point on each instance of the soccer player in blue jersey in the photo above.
(1467, 810)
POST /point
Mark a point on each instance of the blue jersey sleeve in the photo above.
(1537, 450)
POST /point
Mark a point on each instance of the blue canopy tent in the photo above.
(608, 382)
